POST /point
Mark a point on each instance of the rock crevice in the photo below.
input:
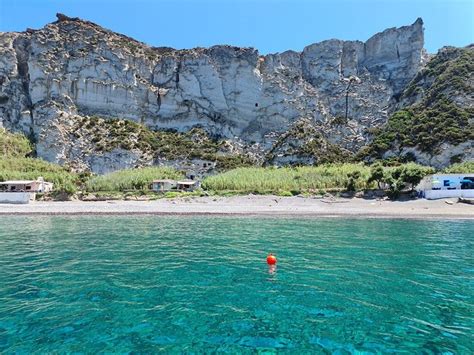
(75, 67)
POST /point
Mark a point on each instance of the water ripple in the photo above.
(200, 284)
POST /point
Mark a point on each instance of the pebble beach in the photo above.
(253, 205)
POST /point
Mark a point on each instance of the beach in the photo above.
(253, 205)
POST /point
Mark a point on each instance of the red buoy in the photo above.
(271, 259)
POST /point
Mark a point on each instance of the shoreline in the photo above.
(247, 215)
(251, 206)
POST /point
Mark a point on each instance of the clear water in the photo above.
(181, 284)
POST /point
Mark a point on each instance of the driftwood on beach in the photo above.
(334, 201)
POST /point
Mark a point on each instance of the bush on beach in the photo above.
(463, 168)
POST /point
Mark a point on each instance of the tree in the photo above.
(395, 184)
(412, 174)
(397, 178)
(376, 174)
(352, 180)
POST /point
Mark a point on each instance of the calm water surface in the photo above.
(194, 284)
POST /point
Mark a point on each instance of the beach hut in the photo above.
(187, 185)
(447, 185)
(38, 185)
(163, 185)
(23, 191)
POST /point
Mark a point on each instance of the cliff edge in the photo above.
(67, 84)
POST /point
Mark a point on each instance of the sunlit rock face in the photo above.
(76, 68)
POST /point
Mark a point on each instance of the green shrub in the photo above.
(352, 179)
(316, 179)
(376, 174)
(412, 174)
(229, 162)
(399, 177)
(285, 193)
(466, 168)
(13, 144)
(172, 194)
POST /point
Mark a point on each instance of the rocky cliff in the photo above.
(73, 86)
(434, 121)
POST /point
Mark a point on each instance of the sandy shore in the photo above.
(254, 205)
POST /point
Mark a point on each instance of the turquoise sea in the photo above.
(201, 284)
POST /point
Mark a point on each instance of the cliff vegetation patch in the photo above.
(438, 110)
(105, 135)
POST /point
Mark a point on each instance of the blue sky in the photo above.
(268, 25)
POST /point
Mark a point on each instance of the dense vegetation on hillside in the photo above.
(466, 167)
(447, 71)
(425, 128)
(108, 134)
(305, 141)
(437, 112)
(13, 144)
(282, 181)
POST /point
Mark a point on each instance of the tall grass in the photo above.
(130, 179)
(265, 180)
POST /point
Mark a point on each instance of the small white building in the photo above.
(23, 191)
(172, 185)
(163, 185)
(447, 185)
(188, 185)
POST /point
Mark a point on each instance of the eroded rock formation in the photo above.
(334, 91)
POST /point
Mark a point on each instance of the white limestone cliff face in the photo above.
(75, 68)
